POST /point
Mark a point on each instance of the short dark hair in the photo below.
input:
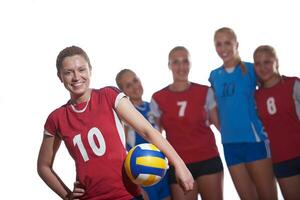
(119, 75)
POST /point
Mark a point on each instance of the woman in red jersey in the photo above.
(278, 102)
(89, 124)
(185, 111)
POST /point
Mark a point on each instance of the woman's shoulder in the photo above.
(249, 64)
(107, 89)
(215, 70)
(162, 91)
(58, 111)
(290, 78)
(199, 86)
(293, 81)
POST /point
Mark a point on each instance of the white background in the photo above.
(116, 34)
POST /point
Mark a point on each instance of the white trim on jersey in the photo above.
(229, 70)
(296, 96)
(83, 109)
(118, 98)
(267, 145)
(210, 101)
(120, 128)
(131, 139)
(48, 133)
(255, 133)
(155, 108)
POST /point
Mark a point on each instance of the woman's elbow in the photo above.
(43, 168)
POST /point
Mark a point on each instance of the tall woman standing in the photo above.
(185, 111)
(89, 124)
(245, 143)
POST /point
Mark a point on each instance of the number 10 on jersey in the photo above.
(93, 134)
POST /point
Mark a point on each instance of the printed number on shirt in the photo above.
(271, 105)
(94, 133)
(228, 89)
(182, 107)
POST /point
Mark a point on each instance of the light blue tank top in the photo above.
(236, 105)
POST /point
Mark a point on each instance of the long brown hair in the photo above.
(230, 31)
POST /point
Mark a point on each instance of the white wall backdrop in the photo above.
(136, 34)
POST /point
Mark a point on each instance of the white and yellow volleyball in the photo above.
(145, 164)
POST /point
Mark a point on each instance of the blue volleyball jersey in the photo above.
(236, 105)
(133, 137)
(161, 189)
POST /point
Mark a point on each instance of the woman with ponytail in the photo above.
(245, 143)
(278, 103)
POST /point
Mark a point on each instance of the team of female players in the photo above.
(260, 128)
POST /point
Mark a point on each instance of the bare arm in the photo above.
(49, 147)
(158, 122)
(132, 117)
(213, 117)
(212, 109)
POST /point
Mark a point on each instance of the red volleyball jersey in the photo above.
(277, 107)
(94, 137)
(184, 118)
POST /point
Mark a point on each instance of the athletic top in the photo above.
(133, 138)
(279, 109)
(184, 116)
(237, 110)
(94, 137)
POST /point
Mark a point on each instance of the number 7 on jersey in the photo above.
(182, 106)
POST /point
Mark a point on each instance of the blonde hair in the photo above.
(177, 48)
(232, 33)
(119, 76)
(268, 49)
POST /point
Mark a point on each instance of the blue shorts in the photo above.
(245, 152)
(160, 190)
(287, 168)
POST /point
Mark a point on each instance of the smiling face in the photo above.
(266, 66)
(131, 85)
(179, 63)
(75, 74)
(226, 46)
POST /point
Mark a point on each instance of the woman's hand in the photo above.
(184, 177)
(77, 192)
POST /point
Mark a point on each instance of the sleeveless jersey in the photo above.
(184, 117)
(95, 139)
(277, 107)
(133, 138)
(236, 105)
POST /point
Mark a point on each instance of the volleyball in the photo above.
(145, 164)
